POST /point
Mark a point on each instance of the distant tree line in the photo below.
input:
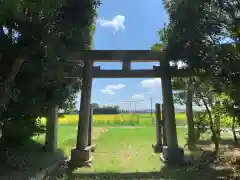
(105, 109)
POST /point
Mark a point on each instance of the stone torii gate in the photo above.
(81, 155)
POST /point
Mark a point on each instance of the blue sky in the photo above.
(127, 25)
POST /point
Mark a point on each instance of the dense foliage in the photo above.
(105, 109)
(36, 40)
(206, 41)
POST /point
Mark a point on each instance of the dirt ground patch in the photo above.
(226, 164)
(25, 163)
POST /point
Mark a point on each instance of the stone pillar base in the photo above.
(173, 156)
(158, 148)
(81, 157)
(93, 148)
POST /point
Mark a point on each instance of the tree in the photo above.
(58, 30)
(69, 106)
(106, 110)
(95, 105)
(200, 44)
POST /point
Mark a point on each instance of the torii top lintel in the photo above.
(118, 55)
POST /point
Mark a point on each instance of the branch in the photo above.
(208, 112)
(15, 69)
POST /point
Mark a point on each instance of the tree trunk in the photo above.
(213, 130)
(189, 112)
(217, 128)
(233, 130)
(6, 88)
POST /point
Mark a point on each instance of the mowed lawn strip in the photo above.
(118, 149)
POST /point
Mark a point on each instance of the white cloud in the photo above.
(151, 83)
(115, 86)
(138, 96)
(117, 23)
(109, 89)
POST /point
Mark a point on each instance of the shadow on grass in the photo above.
(222, 142)
(201, 169)
(227, 142)
(26, 160)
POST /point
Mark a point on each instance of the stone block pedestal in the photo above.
(158, 148)
(81, 157)
(93, 148)
(173, 156)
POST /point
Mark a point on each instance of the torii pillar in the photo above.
(81, 155)
(52, 129)
(171, 153)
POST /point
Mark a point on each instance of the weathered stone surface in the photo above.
(52, 129)
(164, 134)
(159, 137)
(173, 155)
(81, 157)
(85, 103)
(158, 148)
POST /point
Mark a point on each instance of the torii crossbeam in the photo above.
(126, 57)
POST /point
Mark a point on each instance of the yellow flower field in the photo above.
(115, 119)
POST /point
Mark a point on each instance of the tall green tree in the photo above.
(40, 36)
(202, 43)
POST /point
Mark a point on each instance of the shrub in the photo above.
(16, 132)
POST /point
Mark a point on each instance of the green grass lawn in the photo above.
(126, 153)
(119, 149)
(126, 150)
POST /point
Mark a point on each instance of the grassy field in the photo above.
(119, 149)
(123, 150)
(124, 142)
(118, 119)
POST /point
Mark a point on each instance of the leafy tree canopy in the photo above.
(36, 40)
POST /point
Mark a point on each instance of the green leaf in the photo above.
(157, 47)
